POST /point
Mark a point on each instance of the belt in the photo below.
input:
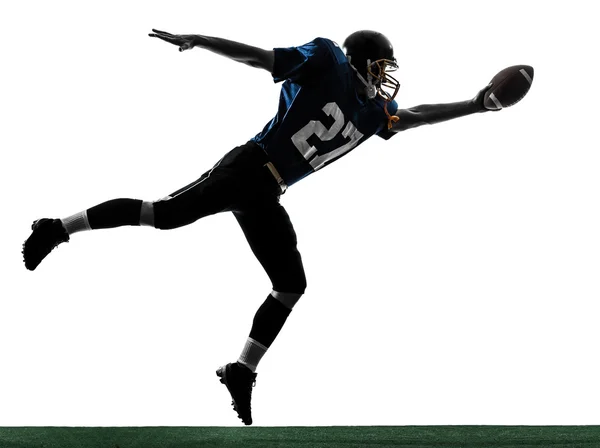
(277, 176)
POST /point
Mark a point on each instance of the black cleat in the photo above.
(47, 234)
(239, 380)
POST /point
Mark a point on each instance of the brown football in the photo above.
(509, 87)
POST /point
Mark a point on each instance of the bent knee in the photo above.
(289, 291)
(147, 214)
(150, 217)
(287, 299)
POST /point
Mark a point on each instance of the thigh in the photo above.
(272, 238)
(215, 191)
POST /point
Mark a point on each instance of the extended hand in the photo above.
(184, 41)
(478, 100)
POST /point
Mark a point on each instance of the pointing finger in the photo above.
(162, 32)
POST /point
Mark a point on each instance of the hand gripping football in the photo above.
(509, 87)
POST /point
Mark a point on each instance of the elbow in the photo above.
(264, 59)
(257, 58)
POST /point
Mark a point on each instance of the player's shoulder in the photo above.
(317, 49)
(330, 47)
(325, 42)
(322, 53)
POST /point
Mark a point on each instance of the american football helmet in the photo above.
(371, 55)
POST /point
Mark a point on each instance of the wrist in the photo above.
(476, 105)
(198, 41)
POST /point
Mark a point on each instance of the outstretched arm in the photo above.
(247, 54)
(436, 113)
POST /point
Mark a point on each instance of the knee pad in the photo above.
(287, 299)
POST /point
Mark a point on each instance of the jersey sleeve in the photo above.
(296, 63)
(385, 133)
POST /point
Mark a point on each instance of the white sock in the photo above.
(76, 223)
(252, 353)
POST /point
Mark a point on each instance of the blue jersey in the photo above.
(320, 116)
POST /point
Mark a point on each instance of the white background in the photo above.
(453, 271)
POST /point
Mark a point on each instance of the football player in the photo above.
(331, 101)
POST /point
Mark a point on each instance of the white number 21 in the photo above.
(300, 138)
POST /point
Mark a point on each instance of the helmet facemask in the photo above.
(385, 85)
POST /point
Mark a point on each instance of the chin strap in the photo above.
(370, 90)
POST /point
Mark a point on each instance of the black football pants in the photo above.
(241, 183)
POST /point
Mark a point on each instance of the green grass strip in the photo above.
(303, 437)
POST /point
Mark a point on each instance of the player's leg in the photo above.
(209, 194)
(213, 192)
(49, 233)
(271, 236)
